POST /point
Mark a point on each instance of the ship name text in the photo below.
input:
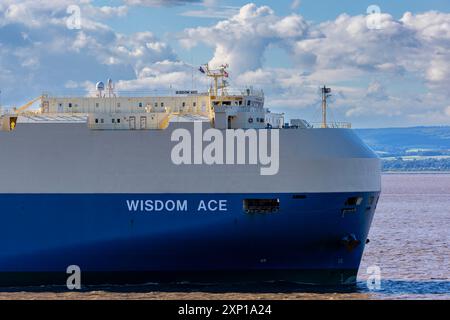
(176, 205)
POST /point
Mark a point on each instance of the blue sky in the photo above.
(393, 75)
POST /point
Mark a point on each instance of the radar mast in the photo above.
(217, 74)
(326, 93)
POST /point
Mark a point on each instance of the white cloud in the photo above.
(163, 76)
(376, 91)
(105, 12)
(447, 111)
(159, 3)
(242, 39)
(347, 41)
(207, 8)
(212, 11)
(295, 4)
(42, 54)
(438, 70)
(42, 13)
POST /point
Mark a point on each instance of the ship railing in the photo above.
(252, 92)
(68, 94)
(72, 94)
(53, 117)
(332, 125)
(242, 92)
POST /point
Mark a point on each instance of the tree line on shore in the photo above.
(429, 164)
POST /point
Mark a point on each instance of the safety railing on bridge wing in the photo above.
(333, 125)
(314, 125)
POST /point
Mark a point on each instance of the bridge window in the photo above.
(96, 120)
(70, 105)
(183, 104)
(162, 104)
(140, 104)
(118, 120)
(248, 103)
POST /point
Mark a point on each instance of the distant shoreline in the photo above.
(416, 172)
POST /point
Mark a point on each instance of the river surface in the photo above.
(409, 246)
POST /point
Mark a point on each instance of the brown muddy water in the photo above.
(410, 243)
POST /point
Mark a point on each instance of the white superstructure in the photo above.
(225, 108)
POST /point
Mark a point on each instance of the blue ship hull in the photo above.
(314, 238)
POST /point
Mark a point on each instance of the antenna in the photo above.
(192, 71)
(326, 93)
(110, 88)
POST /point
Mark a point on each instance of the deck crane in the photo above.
(26, 106)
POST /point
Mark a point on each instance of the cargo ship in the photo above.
(192, 186)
